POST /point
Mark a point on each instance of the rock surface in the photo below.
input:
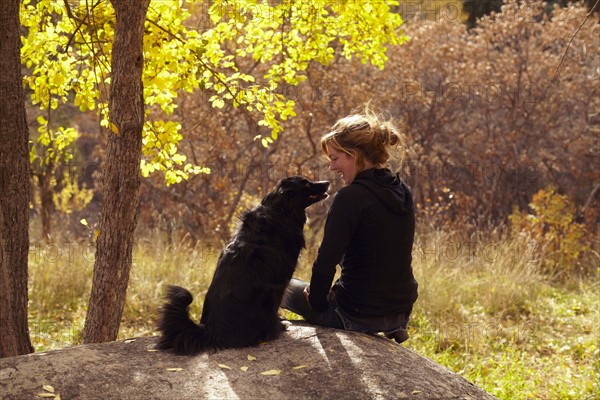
(307, 362)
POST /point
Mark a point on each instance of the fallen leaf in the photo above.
(416, 392)
(46, 395)
(300, 366)
(224, 366)
(128, 340)
(244, 368)
(48, 388)
(251, 358)
(271, 372)
(152, 350)
(175, 369)
(57, 397)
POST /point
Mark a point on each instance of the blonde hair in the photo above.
(364, 136)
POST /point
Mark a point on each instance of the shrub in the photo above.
(551, 226)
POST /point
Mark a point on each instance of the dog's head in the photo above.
(297, 192)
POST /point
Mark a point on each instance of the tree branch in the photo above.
(562, 59)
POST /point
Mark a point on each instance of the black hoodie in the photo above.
(369, 232)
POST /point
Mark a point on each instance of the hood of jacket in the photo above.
(388, 188)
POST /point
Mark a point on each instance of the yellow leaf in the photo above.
(218, 103)
(46, 395)
(251, 358)
(300, 366)
(271, 372)
(244, 368)
(113, 128)
(152, 350)
(48, 388)
(174, 369)
(83, 222)
(128, 340)
(224, 366)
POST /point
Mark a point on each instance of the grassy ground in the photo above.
(484, 310)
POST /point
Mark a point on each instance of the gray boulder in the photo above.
(307, 362)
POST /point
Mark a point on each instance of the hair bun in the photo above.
(365, 136)
(394, 139)
(388, 135)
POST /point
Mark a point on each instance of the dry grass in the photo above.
(484, 308)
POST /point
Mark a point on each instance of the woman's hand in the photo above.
(307, 293)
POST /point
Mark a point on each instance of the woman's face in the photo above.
(344, 164)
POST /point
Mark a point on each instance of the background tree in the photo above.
(476, 9)
(480, 136)
(482, 131)
(14, 189)
(121, 175)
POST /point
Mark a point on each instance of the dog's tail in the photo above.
(178, 331)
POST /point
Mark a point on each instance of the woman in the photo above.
(369, 232)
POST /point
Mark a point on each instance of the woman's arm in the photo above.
(342, 220)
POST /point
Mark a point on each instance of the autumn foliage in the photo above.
(491, 116)
(550, 224)
(486, 126)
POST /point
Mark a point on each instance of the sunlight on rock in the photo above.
(369, 376)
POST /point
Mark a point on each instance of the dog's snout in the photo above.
(324, 184)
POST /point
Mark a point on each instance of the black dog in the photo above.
(240, 308)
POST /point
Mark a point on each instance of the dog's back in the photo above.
(240, 308)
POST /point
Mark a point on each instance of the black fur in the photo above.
(240, 308)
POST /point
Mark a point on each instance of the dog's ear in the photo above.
(286, 193)
(285, 184)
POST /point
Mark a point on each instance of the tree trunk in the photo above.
(121, 175)
(45, 191)
(14, 188)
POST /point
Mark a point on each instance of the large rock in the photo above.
(307, 362)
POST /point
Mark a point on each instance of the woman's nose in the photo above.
(332, 166)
